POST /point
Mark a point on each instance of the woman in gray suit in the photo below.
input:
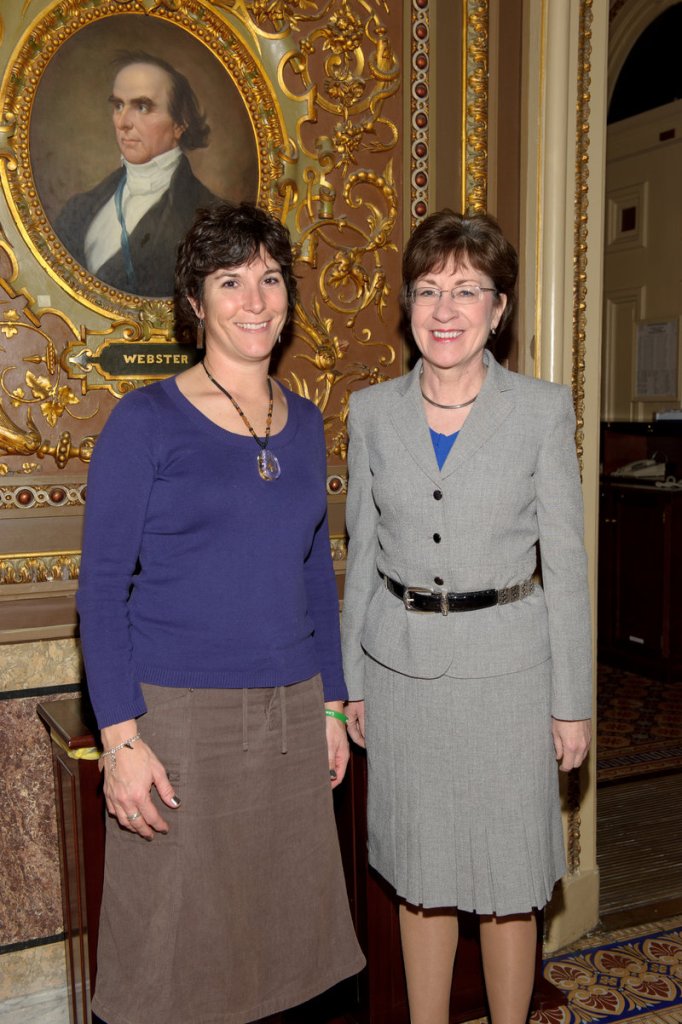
(468, 678)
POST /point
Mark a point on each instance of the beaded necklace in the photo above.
(268, 464)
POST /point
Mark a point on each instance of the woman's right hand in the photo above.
(355, 712)
(127, 790)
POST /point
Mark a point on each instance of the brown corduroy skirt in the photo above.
(241, 910)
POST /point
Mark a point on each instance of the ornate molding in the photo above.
(339, 548)
(337, 483)
(580, 230)
(56, 495)
(419, 112)
(475, 107)
(41, 567)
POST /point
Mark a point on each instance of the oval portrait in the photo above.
(135, 123)
(129, 137)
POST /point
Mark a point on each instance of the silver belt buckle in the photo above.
(508, 594)
(516, 592)
(408, 596)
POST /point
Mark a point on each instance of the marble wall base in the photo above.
(34, 970)
(46, 663)
(51, 1007)
(30, 888)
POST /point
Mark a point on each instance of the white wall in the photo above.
(642, 264)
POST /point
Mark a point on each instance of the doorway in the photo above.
(640, 550)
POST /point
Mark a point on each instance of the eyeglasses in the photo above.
(462, 295)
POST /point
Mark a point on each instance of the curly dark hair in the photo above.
(227, 235)
(472, 238)
(183, 105)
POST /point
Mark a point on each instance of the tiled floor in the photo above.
(43, 1008)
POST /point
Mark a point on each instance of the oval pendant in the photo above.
(268, 466)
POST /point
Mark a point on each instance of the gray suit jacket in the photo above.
(510, 485)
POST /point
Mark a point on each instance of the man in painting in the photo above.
(127, 229)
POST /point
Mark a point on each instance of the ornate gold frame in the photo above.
(230, 45)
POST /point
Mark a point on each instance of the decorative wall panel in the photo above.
(311, 92)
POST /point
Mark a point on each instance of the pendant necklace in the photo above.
(460, 405)
(268, 465)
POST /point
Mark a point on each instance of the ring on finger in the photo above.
(133, 817)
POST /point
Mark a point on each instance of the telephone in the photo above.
(643, 469)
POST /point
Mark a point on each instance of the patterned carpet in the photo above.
(635, 976)
(639, 724)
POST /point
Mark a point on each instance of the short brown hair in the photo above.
(475, 239)
(227, 235)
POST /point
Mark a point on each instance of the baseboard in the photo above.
(573, 911)
(51, 1005)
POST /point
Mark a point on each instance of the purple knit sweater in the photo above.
(195, 571)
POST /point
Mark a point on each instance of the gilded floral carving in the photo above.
(327, 127)
(475, 119)
(343, 200)
(34, 401)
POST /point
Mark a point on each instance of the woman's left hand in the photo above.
(571, 742)
(337, 744)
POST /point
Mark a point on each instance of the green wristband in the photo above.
(336, 714)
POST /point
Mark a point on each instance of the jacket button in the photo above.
(436, 538)
(438, 495)
(438, 581)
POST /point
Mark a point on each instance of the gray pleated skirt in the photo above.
(463, 801)
(241, 910)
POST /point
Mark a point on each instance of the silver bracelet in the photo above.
(111, 754)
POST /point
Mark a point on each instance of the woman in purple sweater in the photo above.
(209, 622)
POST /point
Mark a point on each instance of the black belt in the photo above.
(424, 599)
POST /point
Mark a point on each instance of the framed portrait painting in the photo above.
(124, 122)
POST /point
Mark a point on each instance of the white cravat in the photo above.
(145, 184)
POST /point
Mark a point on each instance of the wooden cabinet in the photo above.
(377, 996)
(640, 568)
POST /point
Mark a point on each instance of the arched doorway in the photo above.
(639, 618)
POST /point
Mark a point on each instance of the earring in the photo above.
(493, 330)
(200, 334)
